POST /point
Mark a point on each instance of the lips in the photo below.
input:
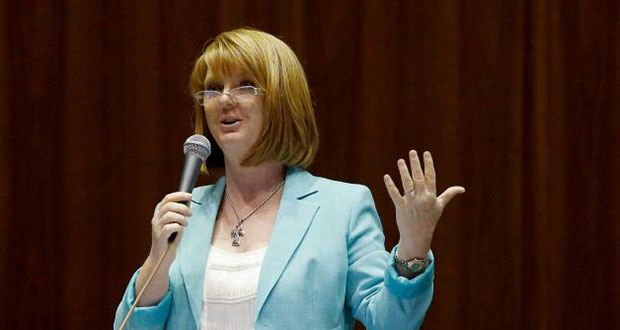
(230, 124)
(229, 121)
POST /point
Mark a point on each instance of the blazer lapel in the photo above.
(293, 219)
(196, 243)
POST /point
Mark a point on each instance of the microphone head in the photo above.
(198, 145)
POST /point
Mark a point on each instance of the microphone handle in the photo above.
(191, 169)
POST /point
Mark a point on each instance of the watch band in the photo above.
(415, 265)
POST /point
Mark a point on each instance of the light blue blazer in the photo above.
(325, 265)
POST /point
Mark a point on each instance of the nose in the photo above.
(227, 101)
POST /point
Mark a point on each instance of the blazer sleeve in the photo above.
(376, 294)
(146, 317)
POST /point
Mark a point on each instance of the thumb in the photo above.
(448, 194)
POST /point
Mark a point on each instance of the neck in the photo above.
(250, 183)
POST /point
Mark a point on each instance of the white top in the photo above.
(229, 296)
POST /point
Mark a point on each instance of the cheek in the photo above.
(256, 123)
(209, 116)
(258, 115)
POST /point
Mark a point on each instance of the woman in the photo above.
(270, 246)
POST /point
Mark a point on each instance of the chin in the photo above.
(230, 138)
(234, 141)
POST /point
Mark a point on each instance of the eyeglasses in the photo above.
(239, 94)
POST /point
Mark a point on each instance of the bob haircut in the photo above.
(289, 134)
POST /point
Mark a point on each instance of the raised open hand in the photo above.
(419, 209)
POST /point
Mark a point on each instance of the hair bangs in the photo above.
(223, 58)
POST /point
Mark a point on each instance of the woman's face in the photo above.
(235, 123)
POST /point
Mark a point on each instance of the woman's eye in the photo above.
(247, 83)
(214, 88)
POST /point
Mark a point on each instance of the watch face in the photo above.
(416, 265)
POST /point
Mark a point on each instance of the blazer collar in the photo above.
(294, 217)
(292, 221)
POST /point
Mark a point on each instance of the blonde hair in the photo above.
(289, 134)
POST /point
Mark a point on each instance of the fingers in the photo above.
(405, 177)
(174, 207)
(429, 173)
(447, 195)
(172, 217)
(170, 228)
(178, 196)
(419, 180)
(416, 170)
(170, 211)
(391, 188)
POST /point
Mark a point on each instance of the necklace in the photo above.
(239, 231)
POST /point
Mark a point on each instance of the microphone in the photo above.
(196, 149)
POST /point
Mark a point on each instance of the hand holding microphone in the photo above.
(168, 221)
(171, 213)
(170, 218)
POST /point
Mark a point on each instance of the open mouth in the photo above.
(229, 121)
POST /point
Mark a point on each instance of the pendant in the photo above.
(236, 235)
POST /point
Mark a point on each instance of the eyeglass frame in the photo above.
(231, 94)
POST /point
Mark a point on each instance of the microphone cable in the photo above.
(148, 281)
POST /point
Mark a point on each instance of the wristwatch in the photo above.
(415, 265)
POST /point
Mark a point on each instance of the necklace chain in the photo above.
(239, 230)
